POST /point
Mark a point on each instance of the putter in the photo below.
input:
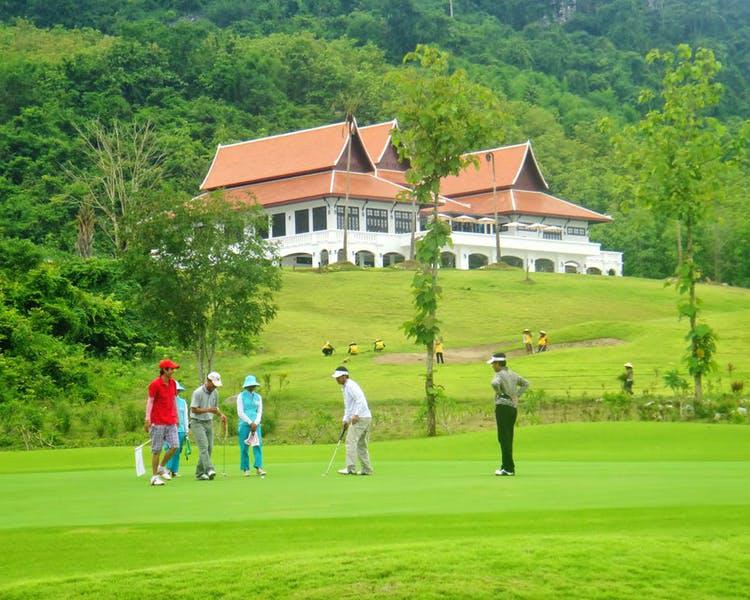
(335, 450)
(224, 453)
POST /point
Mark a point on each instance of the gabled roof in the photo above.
(377, 138)
(284, 155)
(509, 165)
(316, 185)
(521, 202)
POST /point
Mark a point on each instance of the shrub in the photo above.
(132, 416)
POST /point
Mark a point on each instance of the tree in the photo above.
(122, 166)
(678, 159)
(441, 115)
(207, 275)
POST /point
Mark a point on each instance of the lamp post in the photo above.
(491, 159)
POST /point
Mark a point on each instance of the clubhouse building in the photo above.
(301, 180)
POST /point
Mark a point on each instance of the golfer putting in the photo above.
(357, 422)
(508, 387)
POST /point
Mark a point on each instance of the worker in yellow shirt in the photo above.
(439, 351)
(353, 349)
(379, 345)
(528, 341)
(542, 343)
(327, 349)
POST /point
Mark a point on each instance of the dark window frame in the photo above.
(278, 221)
(402, 221)
(316, 212)
(304, 215)
(376, 220)
(353, 218)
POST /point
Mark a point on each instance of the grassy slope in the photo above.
(598, 510)
(485, 308)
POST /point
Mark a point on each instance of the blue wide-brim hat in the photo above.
(250, 381)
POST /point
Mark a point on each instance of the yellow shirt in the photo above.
(526, 338)
(438, 347)
(542, 341)
(353, 349)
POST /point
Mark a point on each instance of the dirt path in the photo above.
(477, 353)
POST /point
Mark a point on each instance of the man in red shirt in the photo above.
(161, 420)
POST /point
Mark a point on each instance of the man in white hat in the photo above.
(627, 379)
(357, 420)
(203, 407)
(509, 387)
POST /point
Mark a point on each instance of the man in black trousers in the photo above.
(509, 387)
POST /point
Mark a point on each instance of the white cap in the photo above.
(494, 359)
(340, 371)
(627, 364)
(214, 378)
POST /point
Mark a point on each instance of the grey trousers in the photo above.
(357, 438)
(203, 432)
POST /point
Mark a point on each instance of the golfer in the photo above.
(161, 420)
(183, 427)
(203, 406)
(509, 387)
(250, 410)
(357, 421)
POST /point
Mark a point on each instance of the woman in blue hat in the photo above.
(250, 411)
(183, 426)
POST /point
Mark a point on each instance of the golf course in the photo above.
(598, 508)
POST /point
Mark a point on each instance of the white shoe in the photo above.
(260, 472)
(246, 473)
(164, 474)
(504, 473)
(211, 474)
(202, 477)
(156, 480)
(346, 471)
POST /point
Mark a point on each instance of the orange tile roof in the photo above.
(316, 185)
(521, 202)
(376, 138)
(508, 163)
(398, 177)
(282, 155)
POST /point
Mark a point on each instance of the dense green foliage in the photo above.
(200, 72)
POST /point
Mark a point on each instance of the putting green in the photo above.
(597, 510)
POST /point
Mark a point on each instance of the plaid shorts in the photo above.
(161, 434)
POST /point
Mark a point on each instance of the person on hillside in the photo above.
(378, 345)
(183, 427)
(353, 349)
(327, 349)
(509, 387)
(439, 351)
(627, 379)
(357, 421)
(203, 406)
(542, 343)
(161, 420)
(528, 341)
(249, 431)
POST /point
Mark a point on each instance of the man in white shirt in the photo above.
(357, 420)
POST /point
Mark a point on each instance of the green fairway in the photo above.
(597, 510)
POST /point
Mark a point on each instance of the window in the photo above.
(377, 220)
(301, 221)
(353, 217)
(278, 225)
(576, 231)
(320, 220)
(467, 227)
(552, 235)
(403, 221)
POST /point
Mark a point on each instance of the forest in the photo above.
(181, 76)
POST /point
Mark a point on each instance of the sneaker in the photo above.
(175, 474)
(504, 473)
(346, 472)
(211, 474)
(260, 472)
(365, 473)
(164, 474)
(156, 480)
(202, 477)
(246, 473)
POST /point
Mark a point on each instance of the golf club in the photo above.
(224, 453)
(335, 450)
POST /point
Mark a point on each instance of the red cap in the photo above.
(168, 364)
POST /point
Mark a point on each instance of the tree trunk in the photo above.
(429, 384)
(693, 316)
(414, 221)
(679, 243)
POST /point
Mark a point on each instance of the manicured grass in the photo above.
(597, 510)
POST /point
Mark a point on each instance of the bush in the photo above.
(618, 405)
(133, 416)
